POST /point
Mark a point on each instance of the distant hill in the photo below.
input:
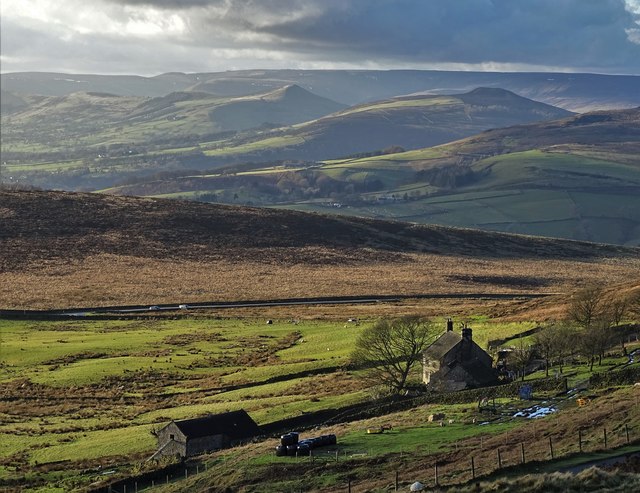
(574, 92)
(82, 113)
(577, 177)
(95, 140)
(284, 106)
(408, 122)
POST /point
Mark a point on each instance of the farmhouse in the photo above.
(454, 362)
(190, 437)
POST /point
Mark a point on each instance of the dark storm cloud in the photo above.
(581, 33)
(594, 35)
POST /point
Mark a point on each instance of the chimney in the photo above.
(449, 325)
(466, 334)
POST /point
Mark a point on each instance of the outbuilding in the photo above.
(189, 437)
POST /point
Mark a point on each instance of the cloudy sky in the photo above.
(149, 37)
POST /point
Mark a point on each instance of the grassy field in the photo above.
(102, 386)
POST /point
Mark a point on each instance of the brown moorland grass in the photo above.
(61, 249)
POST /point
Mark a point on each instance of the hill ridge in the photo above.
(72, 225)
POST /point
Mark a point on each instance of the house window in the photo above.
(172, 437)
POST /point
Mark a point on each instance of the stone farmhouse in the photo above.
(190, 437)
(454, 362)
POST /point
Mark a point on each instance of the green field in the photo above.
(188, 364)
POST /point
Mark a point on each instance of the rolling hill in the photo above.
(95, 140)
(105, 118)
(408, 122)
(68, 249)
(577, 177)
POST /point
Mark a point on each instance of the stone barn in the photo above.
(454, 362)
(190, 437)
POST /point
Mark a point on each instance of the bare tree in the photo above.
(521, 357)
(618, 308)
(586, 306)
(595, 340)
(554, 343)
(390, 348)
(545, 344)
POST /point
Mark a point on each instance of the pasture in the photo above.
(82, 393)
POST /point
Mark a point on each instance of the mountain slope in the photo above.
(409, 122)
(69, 225)
(284, 106)
(81, 114)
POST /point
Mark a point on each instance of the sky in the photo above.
(149, 37)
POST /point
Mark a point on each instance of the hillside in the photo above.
(64, 249)
(576, 178)
(89, 140)
(104, 118)
(284, 106)
(409, 122)
(574, 92)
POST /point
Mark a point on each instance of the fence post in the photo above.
(580, 439)
(436, 472)
(473, 469)
(167, 479)
(605, 437)
(337, 453)
(197, 468)
(626, 430)
(551, 447)
(522, 452)
(135, 485)
(397, 477)
(499, 459)
(124, 488)
(349, 485)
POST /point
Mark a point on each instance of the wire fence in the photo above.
(475, 461)
(479, 457)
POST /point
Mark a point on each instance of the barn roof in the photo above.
(442, 345)
(234, 424)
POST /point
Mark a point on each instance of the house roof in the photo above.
(234, 424)
(442, 345)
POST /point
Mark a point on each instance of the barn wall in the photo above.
(200, 445)
(172, 447)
